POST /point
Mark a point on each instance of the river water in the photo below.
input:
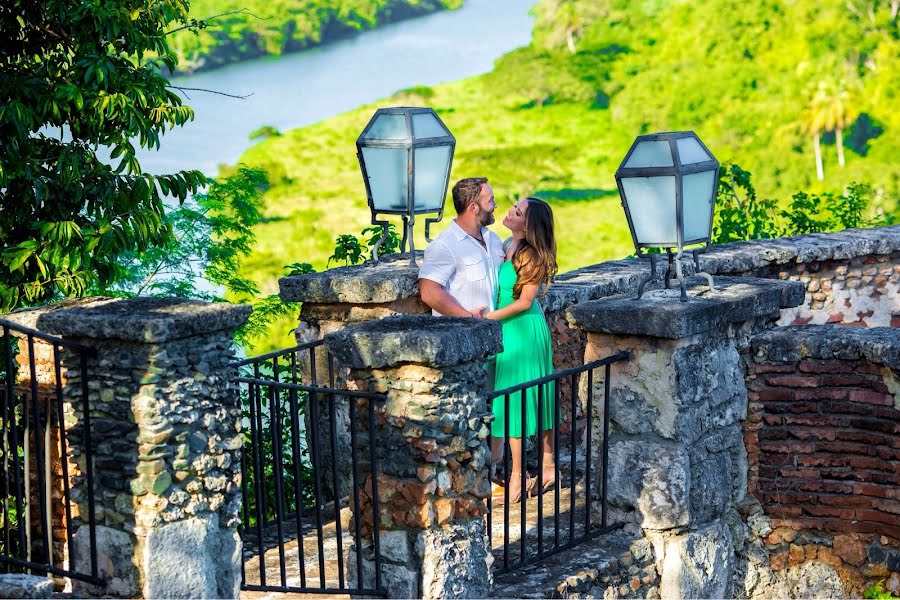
(299, 89)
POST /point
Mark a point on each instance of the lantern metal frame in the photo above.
(678, 171)
(410, 144)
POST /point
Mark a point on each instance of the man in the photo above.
(458, 277)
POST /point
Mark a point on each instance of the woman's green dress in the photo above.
(527, 355)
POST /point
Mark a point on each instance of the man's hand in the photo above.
(478, 313)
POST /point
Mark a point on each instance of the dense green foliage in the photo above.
(555, 118)
(212, 234)
(77, 81)
(741, 215)
(254, 28)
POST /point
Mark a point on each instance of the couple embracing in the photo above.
(469, 272)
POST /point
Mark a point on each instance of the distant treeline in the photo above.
(243, 29)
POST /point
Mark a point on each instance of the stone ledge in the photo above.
(660, 313)
(622, 276)
(432, 341)
(149, 320)
(371, 283)
(878, 345)
(20, 585)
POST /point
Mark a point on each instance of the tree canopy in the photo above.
(80, 85)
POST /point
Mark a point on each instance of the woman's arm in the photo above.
(526, 299)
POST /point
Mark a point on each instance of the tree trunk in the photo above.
(820, 173)
(570, 39)
(840, 146)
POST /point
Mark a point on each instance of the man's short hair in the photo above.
(466, 191)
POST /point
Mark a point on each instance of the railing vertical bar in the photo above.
(257, 481)
(317, 467)
(9, 410)
(523, 491)
(277, 467)
(605, 459)
(572, 459)
(507, 477)
(539, 450)
(337, 500)
(260, 432)
(376, 520)
(63, 450)
(298, 476)
(588, 451)
(89, 462)
(39, 450)
(357, 514)
(556, 486)
(245, 511)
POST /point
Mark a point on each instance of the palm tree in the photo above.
(840, 111)
(814, 120)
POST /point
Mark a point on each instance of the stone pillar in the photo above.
(165, 443)
(677, 461)
(432, 452)
(339, 298)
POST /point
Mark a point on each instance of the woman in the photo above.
(527, 353)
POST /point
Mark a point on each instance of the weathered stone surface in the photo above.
(181, 560)
(20, 585)
(143, 319)
(878, 345)
(659, 313)
(115, 555)
(814, 580)
(698, 564)
(652, 477)
(433, 341)
(392, 278)
(456, 561)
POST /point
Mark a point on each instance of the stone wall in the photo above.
(824, 445)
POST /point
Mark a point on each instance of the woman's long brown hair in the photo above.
(535, 258)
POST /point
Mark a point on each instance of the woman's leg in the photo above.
(549, 456)
(515, 476)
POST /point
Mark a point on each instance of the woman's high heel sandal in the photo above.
(498, 495)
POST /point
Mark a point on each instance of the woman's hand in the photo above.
(490, 315)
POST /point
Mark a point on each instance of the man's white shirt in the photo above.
(465, 268)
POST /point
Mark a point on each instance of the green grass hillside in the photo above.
(271, 27)
(754, 80)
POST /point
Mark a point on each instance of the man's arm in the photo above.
(436, 296)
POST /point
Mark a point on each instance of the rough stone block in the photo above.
(392, 278)
(115, 561)
(456, 561)
(151, 320)
(181, 559)
(20, 585)
(698, 564)
(659, 313)
(653, 477)
(438, 342)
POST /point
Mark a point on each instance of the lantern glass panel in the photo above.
(690, 151)
(650, 154)
(386, 169)
(697, 199)
(388, 127)
(426, 125)
(432, 166)
(651, 205)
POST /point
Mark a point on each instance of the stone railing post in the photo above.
(431, 448)
(166, 442)
(677, 460)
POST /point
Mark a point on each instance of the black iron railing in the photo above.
(37, 527)
(566, 518)
(297, 432)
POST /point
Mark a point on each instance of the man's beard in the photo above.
(486, 218)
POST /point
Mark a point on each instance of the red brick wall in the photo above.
(823, 439)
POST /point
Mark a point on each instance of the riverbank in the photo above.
(261, 28)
